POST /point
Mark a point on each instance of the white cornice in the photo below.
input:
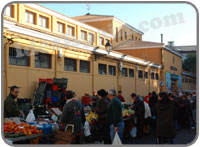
(13, 28)
(58, 15)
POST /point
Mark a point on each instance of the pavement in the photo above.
(183, 136)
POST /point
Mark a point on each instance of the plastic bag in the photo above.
(31, 117)
(133, 132)
(117, 140)
(87, 129)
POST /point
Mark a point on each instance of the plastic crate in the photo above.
(49, 81)
(46, 128)
(49, 93)
(42, 80)
(48, 100)
(54, 99)
(55, 87)
(54, 93)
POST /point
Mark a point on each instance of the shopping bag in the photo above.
(87, 129)
(133, 132)
(117, 140)
(30, 117)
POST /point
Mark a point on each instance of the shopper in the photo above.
(102, 111)
(147, 117)
(193, 103)
(165, 117)
(152, 102)
(138, 106)
(95, 100)
(120, 96)
(10, 106)
(147, 98)
(184, 111)
(176, 103)
(73, 114)
(114, 115)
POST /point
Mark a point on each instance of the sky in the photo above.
(177, 22)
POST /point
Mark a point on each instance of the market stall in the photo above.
(40, 121)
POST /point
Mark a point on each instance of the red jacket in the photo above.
(147, 98)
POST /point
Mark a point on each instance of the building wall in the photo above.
(151, 54)
(28, 77)
(124, 29)
(106, 25)
(168, 61)
(110, 27)
(52, 27)
(188, 83)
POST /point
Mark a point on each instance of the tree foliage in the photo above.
(189, 63)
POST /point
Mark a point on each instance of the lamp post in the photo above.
(108, 47)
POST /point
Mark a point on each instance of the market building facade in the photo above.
(128, 40)
(41, 43)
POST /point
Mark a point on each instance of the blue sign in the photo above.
(168, 80)
(179, 82)
(161, 83)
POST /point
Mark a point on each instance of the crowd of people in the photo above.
(164, 112)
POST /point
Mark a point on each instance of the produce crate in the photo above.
(54, 99)
(48, 100)
(42, 80)
(55, 87)
(49, 81)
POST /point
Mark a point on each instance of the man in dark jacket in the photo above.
(72, 114)
(138, 106)
(10, 106)
(114, 115)
(165, 117)
(152, 102)
(102, 111)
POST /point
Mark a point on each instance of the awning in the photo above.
(174, 77)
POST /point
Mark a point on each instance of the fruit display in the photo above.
(22, 128)
(128, 112)
(92, 116)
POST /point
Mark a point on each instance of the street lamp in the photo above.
(108, 47)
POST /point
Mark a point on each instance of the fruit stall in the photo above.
(40, 121)
(129, 120)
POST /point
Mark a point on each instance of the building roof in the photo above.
(94, 17)
(187, 48)
(91, 17)
(137, 44)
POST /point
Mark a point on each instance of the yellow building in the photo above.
(113, 25)
(128, 40)
(188, 81)
(41, 43)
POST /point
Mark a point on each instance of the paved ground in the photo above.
(183, 136)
